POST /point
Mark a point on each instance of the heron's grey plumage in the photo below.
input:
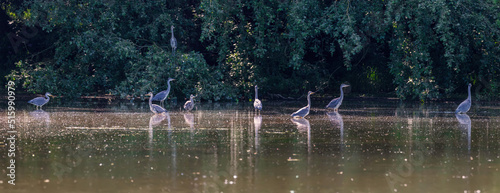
(305, 110)
(156, 109)
(257, 104)
(173, 41)
(40, 101)
(189, 105)
(161, 96)
(336, 102)
(465, 106)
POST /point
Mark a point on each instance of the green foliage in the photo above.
(421, 39)
(416, 49)
(439, 45)
(191, 73)
(110, 47)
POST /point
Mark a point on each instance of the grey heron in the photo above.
(173, 41)
(257, 104)
(156, 109)
(305, 110)
(161, 96)
(40, 101)
(336, 102)
(465, 106)
(189, 105)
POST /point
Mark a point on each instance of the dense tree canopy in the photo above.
(413, 49)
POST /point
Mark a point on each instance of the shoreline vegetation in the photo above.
(410, 50)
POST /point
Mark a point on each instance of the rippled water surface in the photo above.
(225, 147)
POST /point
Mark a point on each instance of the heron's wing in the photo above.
(173, 42)
(161, 95)
(38, 101)
(257, 104)
(158, 109)
(333, 103)
(188, 105)
(301, 112)
(464, 106)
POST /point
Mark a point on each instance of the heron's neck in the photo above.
(469, 98)
(256, 94)
(341, 93)
(151, 100)
(168, 84)
(308, 99)
(172, 29)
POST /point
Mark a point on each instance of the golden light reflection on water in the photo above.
(230, 149)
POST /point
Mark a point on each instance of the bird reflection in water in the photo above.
(154, 121)
(337, 122)
(189, 119)
(257, 122)
(465, 124)
(42, 119)
(303, 126)
(173, 144)
(157, 119)
(40, 115)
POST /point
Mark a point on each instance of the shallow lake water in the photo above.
(369, 146)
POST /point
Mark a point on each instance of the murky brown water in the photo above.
(367, 147)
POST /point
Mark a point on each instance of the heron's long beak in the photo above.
(312, 92)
